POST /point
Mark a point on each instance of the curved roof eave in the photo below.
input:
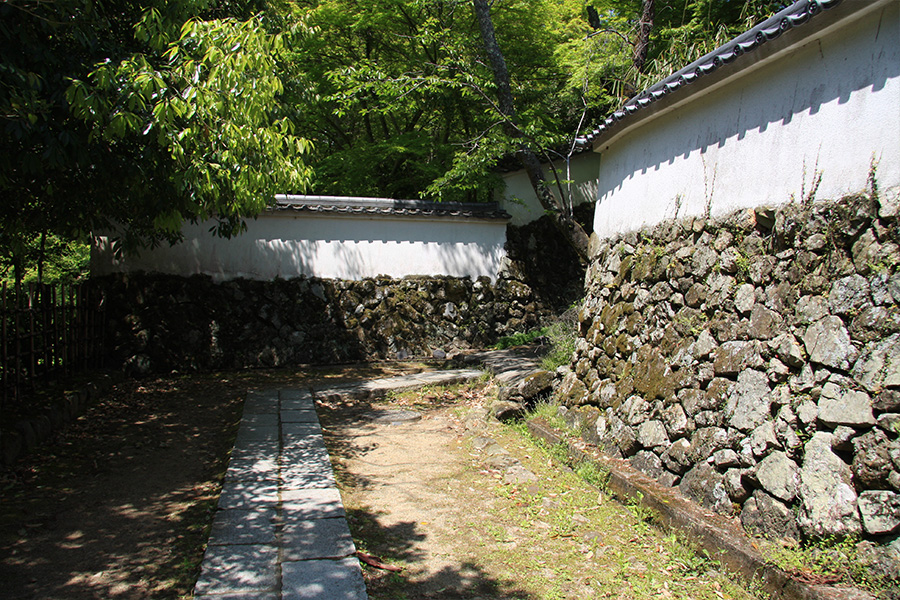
(744, 52)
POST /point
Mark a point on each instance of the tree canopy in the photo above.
(132, 117)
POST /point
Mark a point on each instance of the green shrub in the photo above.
(519, 339)
(561, 335)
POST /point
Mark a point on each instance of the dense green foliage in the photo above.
(401, 102)
(48, 259)
(132, 117)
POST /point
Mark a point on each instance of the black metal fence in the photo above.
(48, 332)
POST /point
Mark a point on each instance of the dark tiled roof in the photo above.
(791, 17)
(341, 205)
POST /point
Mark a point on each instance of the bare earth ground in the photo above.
(119, 505)
(433, 497)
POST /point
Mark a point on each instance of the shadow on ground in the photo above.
(378, 466)
(398, 544)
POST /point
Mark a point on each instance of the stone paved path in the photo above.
(280, 531)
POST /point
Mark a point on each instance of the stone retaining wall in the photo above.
(754, 362)
(160, 323)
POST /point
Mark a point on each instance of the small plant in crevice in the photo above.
(592, 474)
(641, 512)
(547, 411)
(560, 453)
(742, 264)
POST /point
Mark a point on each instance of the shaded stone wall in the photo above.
(541, 256)
(160, 323)
(754, 362)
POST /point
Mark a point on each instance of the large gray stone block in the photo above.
(779, 475)
(317, 538)
(828, 343)
(705, 485)
(840, 406)
(748, 406)
(323, 580)
(828, 499)
(237, 569)
(880, 510)
(878, 366)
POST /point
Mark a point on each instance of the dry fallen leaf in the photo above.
(373, 561)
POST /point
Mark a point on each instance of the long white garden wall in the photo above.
(804, 116)
(335, 239)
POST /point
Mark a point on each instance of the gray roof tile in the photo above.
(341, 205)
(793, 16)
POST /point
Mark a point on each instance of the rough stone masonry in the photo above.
(754, 362)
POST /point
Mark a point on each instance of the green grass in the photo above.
(546, 411)
(829, 560)
(519, 339)
(562, 344)
(593, 475)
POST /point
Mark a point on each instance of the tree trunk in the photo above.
(572, 231)
(41, 256)
(645, 28)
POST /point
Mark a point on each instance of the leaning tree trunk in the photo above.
(572, 231)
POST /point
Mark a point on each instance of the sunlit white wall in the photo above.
(807, 123)
(286, 245)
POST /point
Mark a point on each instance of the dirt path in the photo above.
(450, 498)
(115, 505)
(119, 504)
(398, 482)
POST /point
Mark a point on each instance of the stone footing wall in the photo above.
(540, 255)
(160, 323)
(754, 362)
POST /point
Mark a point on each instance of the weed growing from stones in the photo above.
(547, 411)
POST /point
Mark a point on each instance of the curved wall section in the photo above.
(809, 121)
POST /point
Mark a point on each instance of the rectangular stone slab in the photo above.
(304, 415)
(308, 478)
(307, 504)
(233, 569)
(318, 538)
(256, 433)
(248, 494)
(243, 526)
(323, 580)
(257, 420)
(252, 469)
(258, 449)
(296, 396)
(261, 402)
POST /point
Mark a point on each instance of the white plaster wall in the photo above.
(286, 246)
(518, 197)
(827, 109)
